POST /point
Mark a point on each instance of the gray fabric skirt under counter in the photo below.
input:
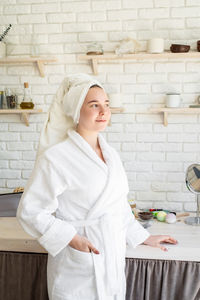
(23, 277)
(150, 279)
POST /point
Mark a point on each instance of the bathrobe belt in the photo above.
(112, 266)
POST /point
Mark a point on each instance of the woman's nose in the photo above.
(102, 111)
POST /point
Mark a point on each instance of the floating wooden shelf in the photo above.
(166, 111)
(116, 110)
(138, 56)
(39, 60)
(24, 112)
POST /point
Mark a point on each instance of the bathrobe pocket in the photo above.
(80, 256)
(75, 275)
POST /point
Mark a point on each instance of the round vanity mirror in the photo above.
(193, 184)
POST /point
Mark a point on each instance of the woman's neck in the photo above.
(90, 136)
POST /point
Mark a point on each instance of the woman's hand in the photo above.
(156, 240)
(81, 243)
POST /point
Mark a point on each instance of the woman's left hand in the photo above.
(156, 240)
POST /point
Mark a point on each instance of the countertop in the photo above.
(187, 248)
(14, 238)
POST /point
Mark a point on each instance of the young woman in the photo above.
(75, 202)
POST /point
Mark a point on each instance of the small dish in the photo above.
(145, 215)
(178, 48)
(198, 46)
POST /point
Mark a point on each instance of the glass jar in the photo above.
(11, 99)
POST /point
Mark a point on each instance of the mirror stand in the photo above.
(195, 220)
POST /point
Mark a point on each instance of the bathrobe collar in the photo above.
(89, 151)
(105, 199)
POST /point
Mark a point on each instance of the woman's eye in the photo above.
(96, 105)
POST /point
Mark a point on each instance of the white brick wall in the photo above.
(155, 157)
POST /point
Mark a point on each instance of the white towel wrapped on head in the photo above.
(64, 111)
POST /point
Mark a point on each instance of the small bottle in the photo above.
(27, 101)
(1, 99)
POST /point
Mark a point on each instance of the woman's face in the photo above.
(95, 112)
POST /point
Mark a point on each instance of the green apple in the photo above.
(161, 216)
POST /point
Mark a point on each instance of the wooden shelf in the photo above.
(25, 113)
(165, 111)
(116, 110)
(138, 56)
(39, 60)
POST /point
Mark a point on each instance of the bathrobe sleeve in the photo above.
(39, 202)
(135, 233)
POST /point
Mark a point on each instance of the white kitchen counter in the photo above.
(187, 249)
(14, 238)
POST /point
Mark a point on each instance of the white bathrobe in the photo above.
(71, 191)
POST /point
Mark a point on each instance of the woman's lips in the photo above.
(100, 120)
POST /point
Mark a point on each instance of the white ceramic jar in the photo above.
(173, 100)
(155, 45)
